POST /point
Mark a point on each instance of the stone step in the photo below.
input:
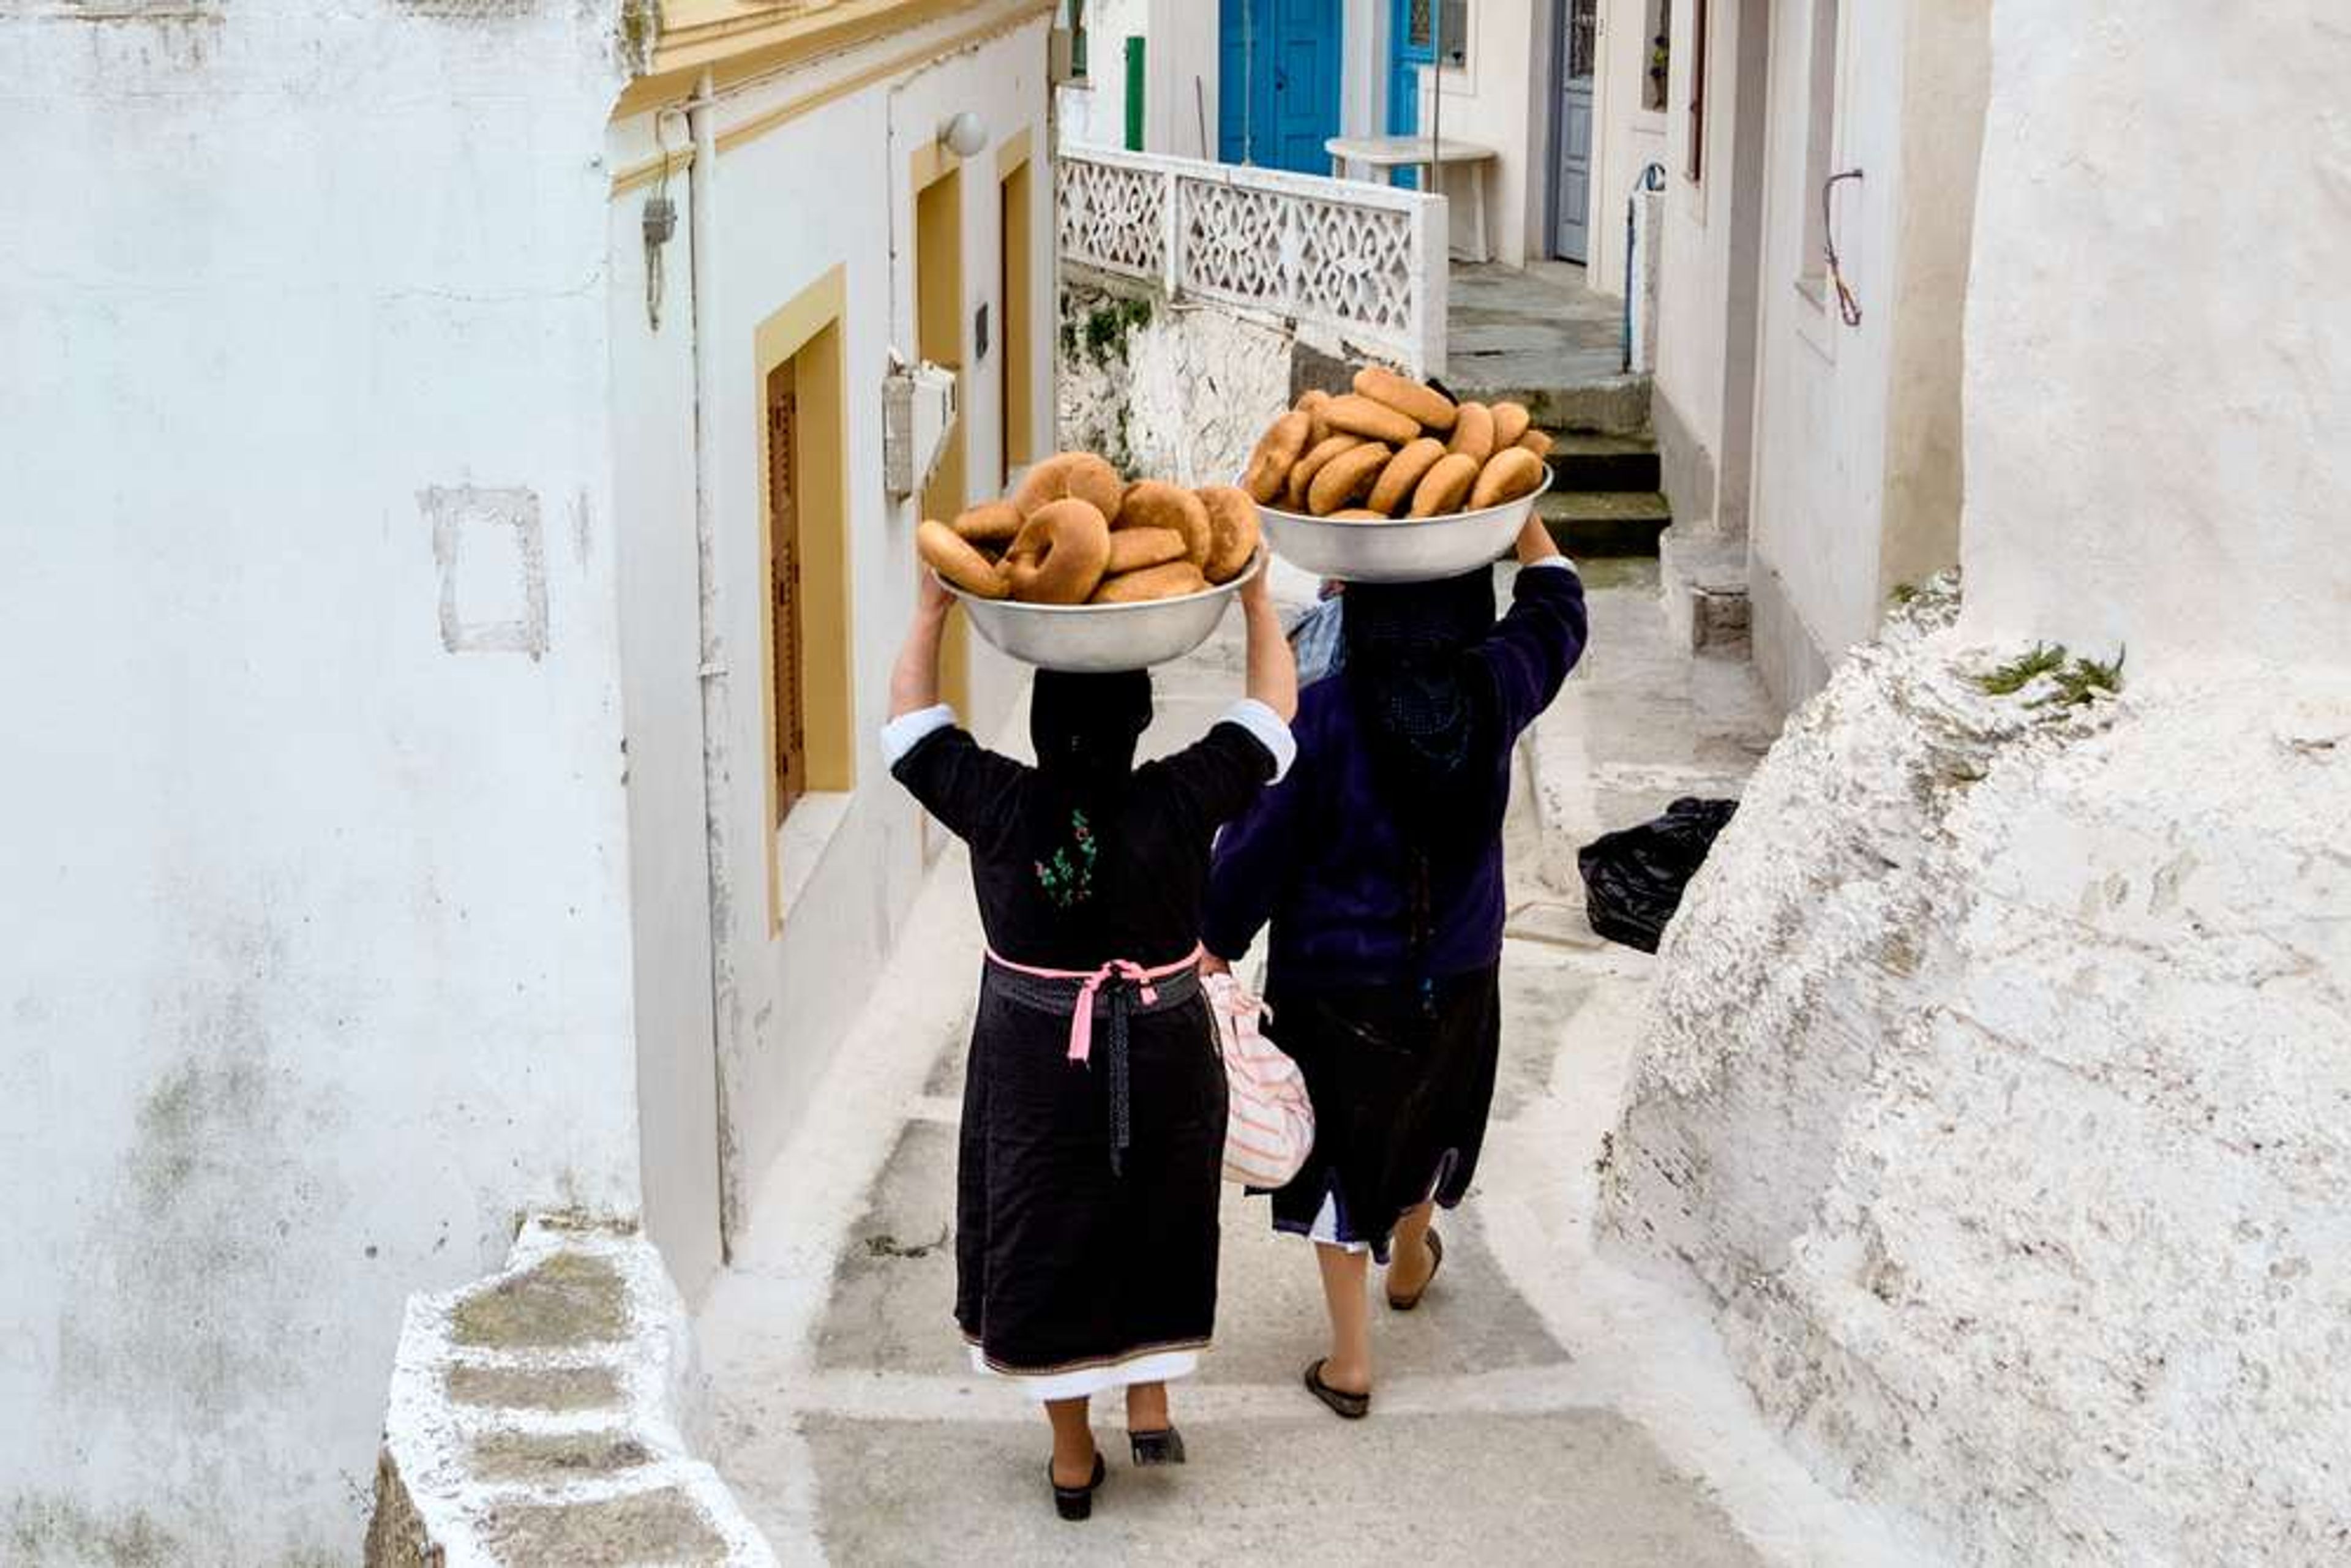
(1582, 461)
(1606, 522)
(1610, 405)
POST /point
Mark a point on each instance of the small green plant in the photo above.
(1107, 328)
(1904, 593)
(2007, 680)
(2074, 682)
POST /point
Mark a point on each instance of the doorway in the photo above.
(1277, 83)
(939, 337)
(1578, 45)
(1016, 437)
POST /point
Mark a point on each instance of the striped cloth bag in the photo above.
(1270, 1128)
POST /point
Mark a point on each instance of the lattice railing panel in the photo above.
(1360, 262)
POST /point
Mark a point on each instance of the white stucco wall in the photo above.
(2177, 491)
(1993, 1095)
(850, 866)
(1626, 136)
(318, 945)
(1501, 98)
(1856, 485)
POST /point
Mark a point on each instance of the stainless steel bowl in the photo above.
(1087, 639)
(1420, 550)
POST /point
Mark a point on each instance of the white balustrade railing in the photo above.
(1363, 263)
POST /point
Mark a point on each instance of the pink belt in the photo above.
(1081, 1016)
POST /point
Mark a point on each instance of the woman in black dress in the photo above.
(1093, 1114)
(1378, 861)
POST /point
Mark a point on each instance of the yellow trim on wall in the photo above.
(1016, 202)
(936, 184)
(750, 44)
(806, 332)
(1012, 152)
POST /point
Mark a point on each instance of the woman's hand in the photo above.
(914, 680)
(1534, 541)
(1272, 677)
(1257, 591)
(932, 599)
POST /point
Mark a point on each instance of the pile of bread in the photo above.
(1395, 448)
(1073, 532)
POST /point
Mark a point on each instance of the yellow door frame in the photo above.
(936, 183)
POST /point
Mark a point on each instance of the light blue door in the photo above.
(1277, 83)
(1571, 173)
(1412, 44)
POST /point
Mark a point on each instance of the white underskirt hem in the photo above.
(1325, 1230)
(1081, 1382)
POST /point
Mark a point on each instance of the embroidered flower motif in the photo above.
(1068, 878)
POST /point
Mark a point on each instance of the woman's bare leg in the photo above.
(1073, 1442)
(1147, 1407)
(1349, 1365)
(1410, 1263)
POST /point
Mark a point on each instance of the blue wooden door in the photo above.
(1277, 83)
(1572, 172)
(1412, 44)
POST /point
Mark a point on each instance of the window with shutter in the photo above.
(784, 590)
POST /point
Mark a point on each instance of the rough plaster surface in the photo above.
(604, 1481)
(317, 935)
(2216, 484)
(1995, 1090)
(1183, 395)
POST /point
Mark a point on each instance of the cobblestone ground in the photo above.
(1542, 1405)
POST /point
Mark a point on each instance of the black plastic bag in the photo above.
(1633, 879)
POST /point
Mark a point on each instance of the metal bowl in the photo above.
(1419, 550)
(1087, 639)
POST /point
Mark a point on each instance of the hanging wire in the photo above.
(1848, 302)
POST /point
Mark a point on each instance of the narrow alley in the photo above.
(1544, 1401)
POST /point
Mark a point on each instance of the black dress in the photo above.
(1086, 1228)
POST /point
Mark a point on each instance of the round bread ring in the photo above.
(1473, 433)
(995, 523)
(1065, 476)
(1403, 474)
(1537, 442)
(1060, 554)
(1421, 405)
(1510, 474)
(1173, 580)
(1511, 422)
(952, 556)
(1233, 531)
(1359, 514)
(1135, 549)
(1312, 405)
(1345, 478)
(1283, 442)
(1357, 415)
(1445, 486)
(1157, 504)
(1302, 475)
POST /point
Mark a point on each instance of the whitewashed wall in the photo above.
(316, 948)
(851, 865)
(1627, 137)
(2180, 491)
(1501, 98)
(1856, 487)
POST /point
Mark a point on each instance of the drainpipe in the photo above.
(725, 1007)
(1651, 178)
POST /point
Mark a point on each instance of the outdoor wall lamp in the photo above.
(963, 135)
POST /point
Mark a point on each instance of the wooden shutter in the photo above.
(790, 738)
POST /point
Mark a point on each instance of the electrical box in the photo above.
(918, 411)
(1060, 57)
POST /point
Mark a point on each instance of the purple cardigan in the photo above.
(1319, 853)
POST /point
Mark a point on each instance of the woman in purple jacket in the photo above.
(1378, 861)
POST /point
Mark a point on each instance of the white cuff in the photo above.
(1266, 724)
(1554, 559)
(901, 734)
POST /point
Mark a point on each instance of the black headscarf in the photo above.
(1426, 705)
(1085, 728)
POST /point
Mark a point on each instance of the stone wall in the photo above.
(1995, 1092)
(1171, 390)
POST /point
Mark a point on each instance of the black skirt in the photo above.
(1066, 1262)
(1402, 1083)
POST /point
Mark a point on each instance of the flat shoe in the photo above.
(1346, 1406)
(1436, 1261)
(1160, 1448)
(1076, 1503)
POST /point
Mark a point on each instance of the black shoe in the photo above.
(1436, 1261)
(1074, 1503)
(1346, 1406)
(1164, 1447)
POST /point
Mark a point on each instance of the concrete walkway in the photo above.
(1505, 328)
(1542, 1405)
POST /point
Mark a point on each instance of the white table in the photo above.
(1389, 154)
